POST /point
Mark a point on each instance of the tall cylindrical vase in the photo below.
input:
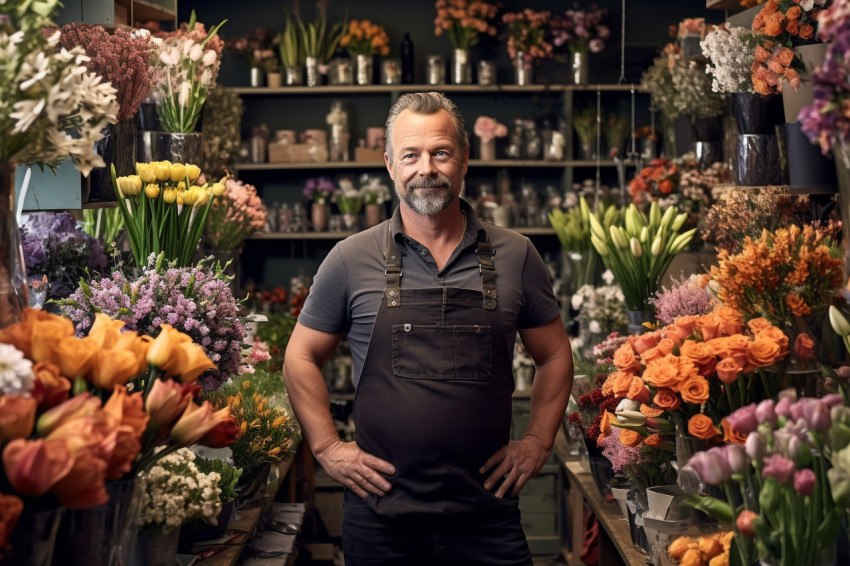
(756, 160)
(756, 114)
(156, 549)
(256, 76)
(461, 67)
(116, 147)
(312, 66)
(177, 148)
(320, 216)
(13, 273)
(365, 69)
(486, 149)
(523, 70)
(579, 67)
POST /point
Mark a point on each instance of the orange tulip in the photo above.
(113, 367)
(83, 486)
(127, 447)
(17, 417)
(127, 409)
(195, 422)
(10, 509)
(161, 351)
(53, 388)
(189, 362)
(75, 356)
(223, 434)
(76, 407)
(34, 466)
(166, 400)
(46, 334)
(138, 345)
(104, 331)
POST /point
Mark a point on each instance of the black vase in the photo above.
(757, 161)
(116, 147)
(756, 114)
(807, 166)
(707, 129)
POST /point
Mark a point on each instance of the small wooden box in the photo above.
(367, 154)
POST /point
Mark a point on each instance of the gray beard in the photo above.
(431, 201)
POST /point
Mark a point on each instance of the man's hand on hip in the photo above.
(355, 469)
(515, 464)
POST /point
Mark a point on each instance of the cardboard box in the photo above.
(293, 153)
(329, 505)
(367, 154)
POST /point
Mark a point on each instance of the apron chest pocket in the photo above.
(442, 352)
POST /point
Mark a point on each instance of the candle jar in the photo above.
(391, 72)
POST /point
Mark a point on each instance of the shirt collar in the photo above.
(474, 227)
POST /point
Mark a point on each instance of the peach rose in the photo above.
(645, 341)
(654, 441)
(694, 390)
(675, 333)
(638, 391)
(701, 426)
(665, 346)
(728, 370)
(776, 335)
(630, 438)
(764, 352)
(621, 384)
(625, 359)
(733, 320)
(34, 466)
(756, 325)
(804, 346)
(667, 400)
(708, 326)
(651, 354)
(662, 373)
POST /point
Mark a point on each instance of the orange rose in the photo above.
(692, 557)
(700, 355)
(763, 352)
(701, 426)
(662, 373)
(793, 13)
(804, 346)
(630, 437)
(694, 390)
(665, 346)
(708, 326)
(797, 305)
(688, 323)
(732, 435)
(653, 440)
(621, 384)
(33, 466)
(733, 320)
(17, 417)
(190, 362)
(138, 345)
(625, 360)
(53, 387)
(605, 424)
(776, 335)
(127, 409)
(756, 325)
(645, 341)
(785, 56)
(667, 400)
(806, 31)
(104, 331)
(651, 354)
(728, 370)
(675, 333)
(638, 391)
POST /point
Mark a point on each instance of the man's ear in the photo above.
(389, 166)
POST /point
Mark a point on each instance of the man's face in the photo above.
(428, 165)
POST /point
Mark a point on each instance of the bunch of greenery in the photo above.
(276, 333)
(318, 38)
(228, 473)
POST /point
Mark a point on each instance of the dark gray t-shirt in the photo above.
(349, 285)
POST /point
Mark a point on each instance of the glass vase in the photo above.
(461, 67)
(637, 319)
(312, 66)
(294, 76)
(579, 67)
(523, 73)
(155, 548)
(34, 536)
(256, 77)
(364, 69)
(13, 274)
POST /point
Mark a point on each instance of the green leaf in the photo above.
(717, 508)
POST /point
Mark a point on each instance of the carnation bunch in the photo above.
(731, 52)
(56, 246)
(235, 215)
(195, 300)
(464, 21)
(528, 32)
(365, 38)
(121, 57)
(176, 492)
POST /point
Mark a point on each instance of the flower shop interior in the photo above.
(176, 172)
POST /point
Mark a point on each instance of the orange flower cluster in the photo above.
(773, 62)
(657, 179)
(785, 18)
(683, 368)
(365, 38)
(70, 445)
(464, 21)
(792, 272)
(706, 550)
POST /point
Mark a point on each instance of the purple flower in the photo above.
(805, 481)
(779, 468)
(711, 465)
(744, 420)
(766, 412)
(737, 458)
(755, 446)
(813, 412)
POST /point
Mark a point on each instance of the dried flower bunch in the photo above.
(580, 30)
(223, 112)
(528, 32)
(365, 38)
(828, 117)
(464, 21)
(53, 108)
(234, 216)
(196, 300)
(122, 58)
(731, 52)
(791, 272)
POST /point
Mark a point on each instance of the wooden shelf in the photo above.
(146, 10)
(389, 89)
(342, 235)
(510, 163)
(723, 4)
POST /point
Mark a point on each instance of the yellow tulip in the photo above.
(193, 171)
(105, 332)
(152, 191)
(113, 367)
(169, 195)
(181, 186)
(203, 197)
(46, 334)
(146, 173)
(138, 345)
(217, 189)
(162, 169)
(74, 356)
(130, 185)
(161, 351)
(178, 172)
(190, 361)
(190, 196)
(180, 200)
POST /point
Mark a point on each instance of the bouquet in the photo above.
(52, 107)
(657, 180)
(527, 32)
(319, 190)
(828, 119)
(196, 300)
(237, 214)
(123, 58)
(639, 253)
(685, 297)
(258, 48)
(657, 80)
(580, 30)
(176, 492)
(731, 52)
(488, 129)
(188, 60)
(600, 309)
(56, 247)
(163, 210)
(365, 38)
(348, 199)
(645, 462)
(464, 21)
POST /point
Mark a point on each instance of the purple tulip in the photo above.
(766, 412)
(711, 465)
(813, 412)
(779, 468)
(783, 407)
(832, 400)
(755, 447)
(805, 481)
(744, 419)
(737, 458)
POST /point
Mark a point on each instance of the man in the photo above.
(431, 301)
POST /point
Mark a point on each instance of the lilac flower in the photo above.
(683, 298)
(778, 467)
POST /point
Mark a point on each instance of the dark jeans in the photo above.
(369, 539)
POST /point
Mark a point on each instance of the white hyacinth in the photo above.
(16, 377)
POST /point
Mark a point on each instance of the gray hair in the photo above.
(426, 103)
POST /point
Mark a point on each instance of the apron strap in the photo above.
(487, 268)
(392, 272)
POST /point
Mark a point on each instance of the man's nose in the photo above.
(426, 166)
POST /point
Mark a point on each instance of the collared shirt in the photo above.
(350, 283)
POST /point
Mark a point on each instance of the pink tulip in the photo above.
(784, 406)
(711, 465)
(195, 422)
(166, 400)
(81, 405)
(766, 412)
(832, 400)
(744, 419)
(755, 447)
(737, 458)
(34, 466)
(813, 412)
(805, 481)
(779, 468)
(746, 523)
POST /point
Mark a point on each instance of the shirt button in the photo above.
(423, 252)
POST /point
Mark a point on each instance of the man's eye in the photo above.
(408, 156)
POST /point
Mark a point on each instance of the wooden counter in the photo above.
(615, 541)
